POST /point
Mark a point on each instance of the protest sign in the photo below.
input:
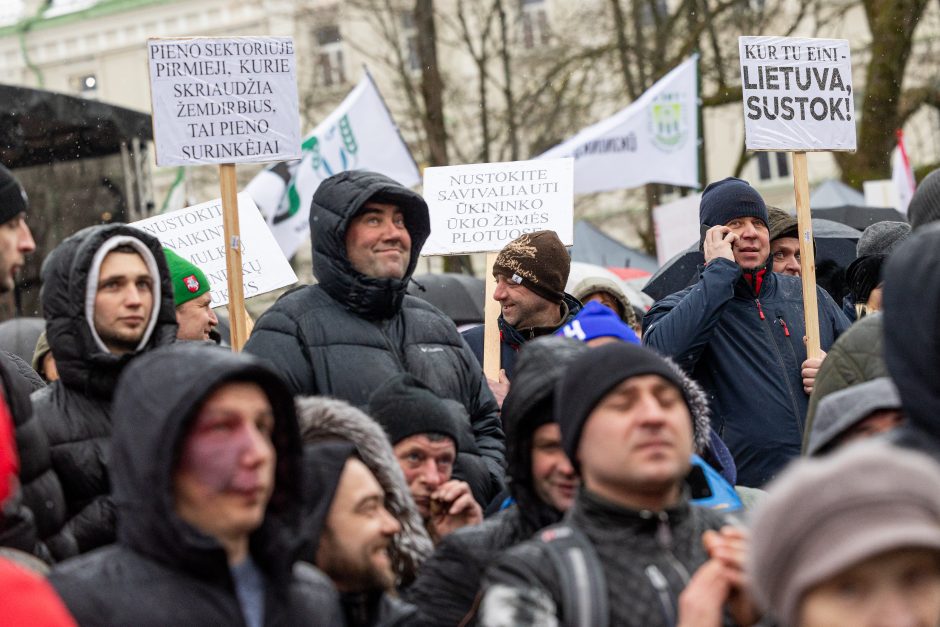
(482, 207)
(797, 93)
(676, 226)
(196, 233)
(224, 100)
(798, 97)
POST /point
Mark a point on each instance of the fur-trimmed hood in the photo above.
(329, 419)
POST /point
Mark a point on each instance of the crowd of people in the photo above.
(690, 465)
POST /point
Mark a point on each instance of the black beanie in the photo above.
(324, 463)
(13, 200)
(405, 406)
(925, 204)
(725, 200)
(863, 275)
(591, 376)
(538, 261)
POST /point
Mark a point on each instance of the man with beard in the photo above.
(351, 531)
(739, 332)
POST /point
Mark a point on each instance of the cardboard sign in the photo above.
(797, 94)
(196, 234)
(224, 100)
(482, 207)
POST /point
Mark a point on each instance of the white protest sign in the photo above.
(224, 100)
(195, 234)
(676, 226)
(797, 94)
(483, 206)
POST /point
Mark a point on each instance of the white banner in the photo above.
(654, 140)
(797, 93)
(224, 100)
(481, 207)
(196, 234)
(359, 134)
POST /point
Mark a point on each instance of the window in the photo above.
(86, 85)
(330, 68)
(409, 33)
(772, 165)
(535, 31)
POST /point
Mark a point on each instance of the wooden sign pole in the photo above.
(233, 256)
(807, 254)
(491, 309)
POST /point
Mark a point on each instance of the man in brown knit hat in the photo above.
(531, 272)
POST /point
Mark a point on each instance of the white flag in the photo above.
(902, 175)
(654, 140)
(358, 135)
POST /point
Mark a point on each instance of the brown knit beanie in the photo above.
(825, 515)
(538, 261)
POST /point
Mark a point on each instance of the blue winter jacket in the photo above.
(747, 352)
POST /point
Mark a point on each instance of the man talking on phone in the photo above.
(740, 332)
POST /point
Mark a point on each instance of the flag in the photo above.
(358, 135)
(902, 175)
(654, 140)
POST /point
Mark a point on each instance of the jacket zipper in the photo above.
(782, 364)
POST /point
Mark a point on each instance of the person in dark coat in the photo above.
(357, 327)
(739, 332)
(106, 297)
(351, 532)
(530, 272)
(448, 583)
(912, 339)
(16, 240)
(628, 427)
(206, 461)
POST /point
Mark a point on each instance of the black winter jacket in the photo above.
(747, 352)
(162, 570)
(512, 339)
(75, 411)
(521, 588)
(912, 338)
(348, 334)
(17, 521)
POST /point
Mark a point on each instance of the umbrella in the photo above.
(580, 271)
(835, 243)
(458, 296)
(859, 217)
(19, 335)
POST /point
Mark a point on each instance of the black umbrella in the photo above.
(458, 296)
(835, 244)
(859, 217)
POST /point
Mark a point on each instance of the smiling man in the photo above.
(356, 328)
(631, 539)
(106, 297)
(739, 332)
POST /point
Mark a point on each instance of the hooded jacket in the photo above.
(856, 357)
(75, 411)
(324, 463)
(348, 334)
(912, 338)
(512, 339)
(162, 570)
(17, 522)
(330, 419)
(747, 351)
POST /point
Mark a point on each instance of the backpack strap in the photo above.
(580, 575)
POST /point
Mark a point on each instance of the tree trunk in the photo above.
(432, 86)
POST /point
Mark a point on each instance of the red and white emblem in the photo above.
(192, 283)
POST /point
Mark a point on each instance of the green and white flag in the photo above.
(358, 135)
(654, 140)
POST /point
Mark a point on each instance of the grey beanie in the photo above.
(881, 238)
(840, 411)
(925, 205)
(826, 514)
